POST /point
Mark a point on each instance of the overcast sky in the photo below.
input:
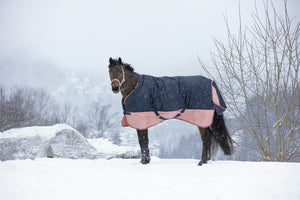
(157, 37)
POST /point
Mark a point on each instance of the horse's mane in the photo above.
(126, 65)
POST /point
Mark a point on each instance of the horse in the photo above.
(149, 100)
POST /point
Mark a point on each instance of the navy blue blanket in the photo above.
(167, 94)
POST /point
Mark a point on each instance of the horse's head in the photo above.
(116, 73)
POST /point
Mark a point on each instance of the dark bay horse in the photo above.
(149, 100)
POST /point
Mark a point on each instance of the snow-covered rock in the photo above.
(59, 141)
(114, 151)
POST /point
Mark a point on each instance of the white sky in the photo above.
(157, 37)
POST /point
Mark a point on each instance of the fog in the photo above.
(65, 45)
(156, 37)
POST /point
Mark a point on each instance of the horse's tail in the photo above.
(220, 136)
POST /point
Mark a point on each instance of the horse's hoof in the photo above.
(145, 160)
(202, 162)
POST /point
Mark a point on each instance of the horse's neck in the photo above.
(130, 83)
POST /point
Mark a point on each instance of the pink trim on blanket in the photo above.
(215, 97)
(141, 120)
(202, 118)
(144, 120)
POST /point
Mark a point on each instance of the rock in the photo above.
(60, 141)
(110, 150)
(69, 143)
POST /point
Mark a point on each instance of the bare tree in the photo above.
(24, 106)
(258, 71)
(102, 120)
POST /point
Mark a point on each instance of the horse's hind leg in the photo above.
(144, 142)
(206, 135)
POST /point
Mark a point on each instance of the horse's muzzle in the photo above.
(115, 89)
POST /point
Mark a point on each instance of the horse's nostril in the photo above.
(115, 89)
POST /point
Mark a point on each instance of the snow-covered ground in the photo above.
(65, 179)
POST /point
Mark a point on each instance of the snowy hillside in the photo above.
(64, 179)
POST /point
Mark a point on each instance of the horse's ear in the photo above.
(120, 61)
(110, 60)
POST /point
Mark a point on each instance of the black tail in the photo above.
(220, 136)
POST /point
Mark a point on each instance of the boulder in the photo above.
(58, 141)
(110, 150)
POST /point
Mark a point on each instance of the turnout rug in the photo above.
(193, 99)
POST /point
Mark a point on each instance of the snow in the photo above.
(45, 132)
(161, 179)
(110, 150)
(103, 177)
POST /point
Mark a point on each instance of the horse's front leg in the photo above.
(144, 142)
